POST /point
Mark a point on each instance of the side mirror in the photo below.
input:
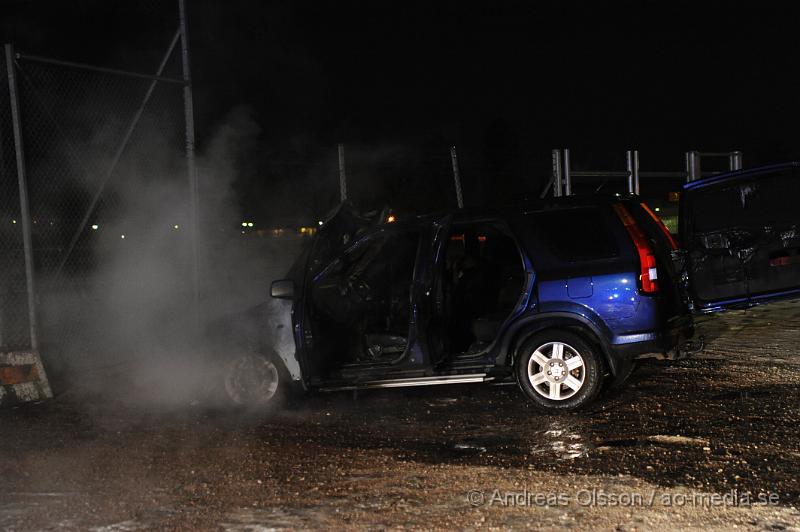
(282, 289)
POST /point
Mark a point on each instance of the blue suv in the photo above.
(559, 295)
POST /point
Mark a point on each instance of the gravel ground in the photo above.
(675, 449)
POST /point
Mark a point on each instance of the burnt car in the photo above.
(559, 295)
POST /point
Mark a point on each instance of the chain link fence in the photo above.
(93, 140)
(107, 177)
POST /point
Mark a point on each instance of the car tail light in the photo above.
(647, 258)
(661, 225)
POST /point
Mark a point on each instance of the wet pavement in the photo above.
(712, 442)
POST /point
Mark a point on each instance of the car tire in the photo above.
(559, 371)
(255, 381)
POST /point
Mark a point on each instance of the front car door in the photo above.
(360, 308)
(340, 230)
(741, 235)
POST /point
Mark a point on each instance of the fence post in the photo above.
(629, 169)
(632, 160)
(567, 176)
(456, 177)
(558, 180)
(24, 208)
(735, 160)
(188, 109)
(342, 175)
(692, 165)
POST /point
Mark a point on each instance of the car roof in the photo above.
(521, 207)
(737, 174)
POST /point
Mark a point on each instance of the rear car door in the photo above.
(741, 236)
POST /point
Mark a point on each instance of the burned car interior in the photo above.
(363, 298)
(744, 237)
(478, 287)
(363, 301)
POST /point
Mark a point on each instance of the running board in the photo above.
(415, 381)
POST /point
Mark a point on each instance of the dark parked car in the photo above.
(558, 294)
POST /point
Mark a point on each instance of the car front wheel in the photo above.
(254, 380)
(559, 371)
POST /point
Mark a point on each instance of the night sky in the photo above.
(506, 82)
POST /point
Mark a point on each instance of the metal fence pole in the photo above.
(456, 177)
(688, 165)
(636, 172)
(692, 165)
(629, 168)
(342, 175)
(188, 109)
(93, 68)
(567, 175)
(735, 160)
(558, 178)
(3, 293)
(24, 208)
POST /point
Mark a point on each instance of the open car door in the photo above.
(343, 226)
(741, 235)
(339, 230)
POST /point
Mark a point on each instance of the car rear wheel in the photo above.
(559, 371)
(254, 380)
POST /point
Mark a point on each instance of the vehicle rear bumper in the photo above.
(657, 343)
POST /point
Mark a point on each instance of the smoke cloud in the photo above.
(125, 327)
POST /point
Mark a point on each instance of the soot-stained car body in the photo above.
(559, 294)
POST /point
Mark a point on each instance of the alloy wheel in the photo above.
(556, 371)
(251, 380)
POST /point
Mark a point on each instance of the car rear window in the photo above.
(575, 234)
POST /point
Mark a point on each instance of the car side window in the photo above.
(392, 255)
(575, 234)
